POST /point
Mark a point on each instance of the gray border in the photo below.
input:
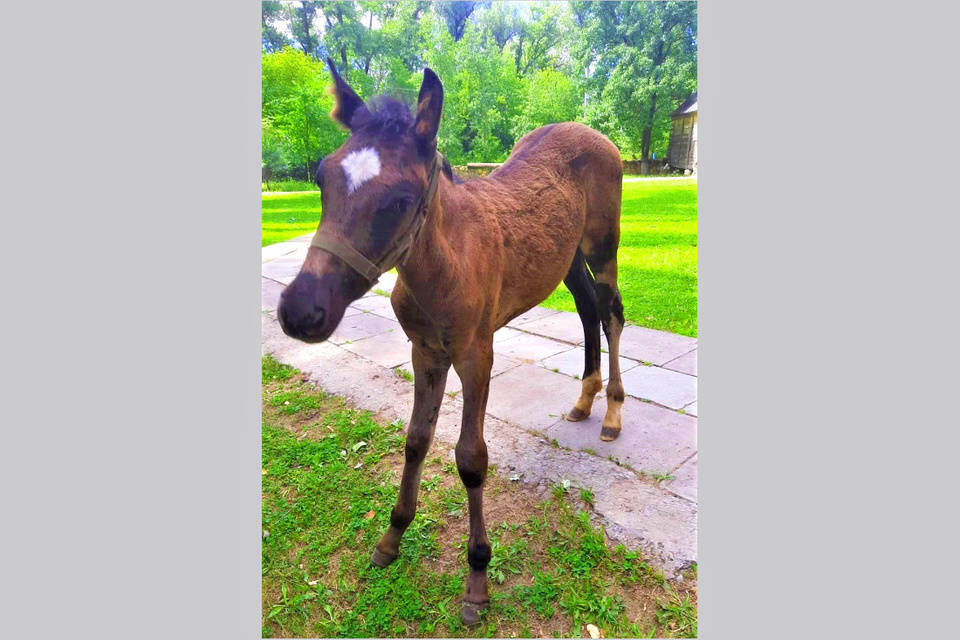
(822, 328)
(131, 254)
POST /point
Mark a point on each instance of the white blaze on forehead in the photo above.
(360, 166)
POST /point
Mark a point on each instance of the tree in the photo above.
(501, 23)
(456, 14)
(270, 14)
(297, 129)
(301, 22)
(621, 67)
(536, 38)
(644, 61)
(550, 96)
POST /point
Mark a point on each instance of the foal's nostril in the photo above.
(318, 315)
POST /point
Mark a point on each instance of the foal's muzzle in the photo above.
(309, 309)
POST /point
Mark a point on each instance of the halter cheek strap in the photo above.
(396, 254)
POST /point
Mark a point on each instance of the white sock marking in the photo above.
(360, 166)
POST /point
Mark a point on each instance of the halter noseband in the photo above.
(400, 251)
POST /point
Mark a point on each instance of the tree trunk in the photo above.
(647, 131)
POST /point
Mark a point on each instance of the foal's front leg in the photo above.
(474, 372)
(430, 377)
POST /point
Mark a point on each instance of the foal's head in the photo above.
(371, 191)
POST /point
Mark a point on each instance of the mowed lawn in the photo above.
(657, 256)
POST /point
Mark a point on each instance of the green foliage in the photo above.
(644, 56)
(297, 129)
(507, 68)
(550, 96)
(288, 185)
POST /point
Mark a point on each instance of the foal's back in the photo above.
(559, 189)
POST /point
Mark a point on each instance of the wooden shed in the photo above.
(682, 152)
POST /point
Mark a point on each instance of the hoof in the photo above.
(470, 612)
(609, 433)
(381, 559)
(576, 415)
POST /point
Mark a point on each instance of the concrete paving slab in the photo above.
(684, 482)
(691, 409)
(274, 251)
(362, 325)
(283, 269)
(669, 388)
(533, 314)
(531, 397)
(687, 363)
(501, 363)
(571, 363)
(653, 439)
(565, 326)
(528, 347)
(377, 304)
(505, 333)
(388, 349)
(386, 282)
(650, 345)
(270, 291)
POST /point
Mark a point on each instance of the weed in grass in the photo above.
(272, 370)
(661, 477)
(403, 373)
(587, 496)
(382, 292)
(678, 615)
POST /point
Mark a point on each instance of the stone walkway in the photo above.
(644, 483)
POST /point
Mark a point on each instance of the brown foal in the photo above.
(471, 256)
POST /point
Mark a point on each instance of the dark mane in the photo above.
(388, 116)
(384, 116)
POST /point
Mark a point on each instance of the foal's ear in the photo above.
(429, 110)
(348, 102)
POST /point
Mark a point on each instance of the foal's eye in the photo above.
(394, 209)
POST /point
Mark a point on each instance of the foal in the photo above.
(471, 256)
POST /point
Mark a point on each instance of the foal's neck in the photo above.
(433, 265)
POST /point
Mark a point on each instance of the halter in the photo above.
(399, 253)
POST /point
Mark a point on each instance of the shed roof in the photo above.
(689, 106)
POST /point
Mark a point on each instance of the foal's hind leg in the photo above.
(581, 285)
(603, 262)
(430, 377)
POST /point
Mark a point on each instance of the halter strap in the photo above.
(396, 254)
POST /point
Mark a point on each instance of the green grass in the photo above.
(657, 260)
(288, 185)
(330, 478)
(288, 215)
